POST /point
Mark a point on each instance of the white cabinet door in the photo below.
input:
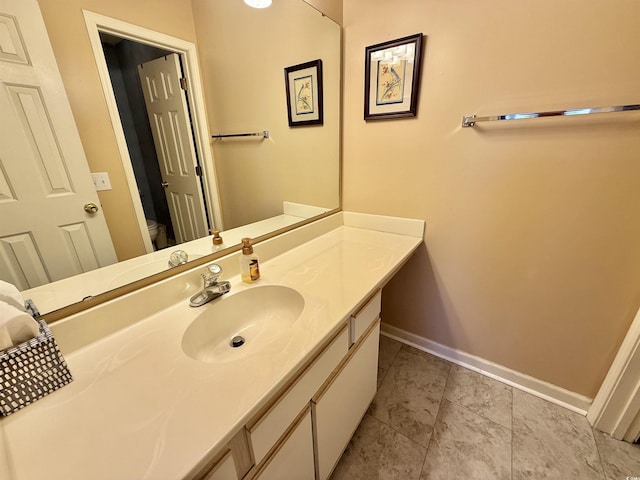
(340, 408)
(224, 470)
(273, 424)
(294, 459)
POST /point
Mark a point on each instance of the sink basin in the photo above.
(261, 315)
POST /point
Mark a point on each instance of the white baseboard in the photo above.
(565, 398)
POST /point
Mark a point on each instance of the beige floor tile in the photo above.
(480, 394)
(410, 394)
(466, 445)
(551, 442)
(377, 451)
(388, 350)
(619, 459)
(466, 429)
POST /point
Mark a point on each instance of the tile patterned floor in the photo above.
(433, 420)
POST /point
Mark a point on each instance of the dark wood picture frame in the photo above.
(304, 93)
(392, 78)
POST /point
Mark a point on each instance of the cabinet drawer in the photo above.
(266, 431)
(225, 469)
(294, 459)
(340, 408)
(365, 316)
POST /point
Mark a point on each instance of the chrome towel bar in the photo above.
(471, 120)
(263, 134)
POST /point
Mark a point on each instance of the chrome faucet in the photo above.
(212, 288)
(177, 258)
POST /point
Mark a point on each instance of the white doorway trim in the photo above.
(616, 406)
(96, 24)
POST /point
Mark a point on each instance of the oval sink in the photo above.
(260, 315)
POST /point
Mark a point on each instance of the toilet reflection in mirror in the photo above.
(157, 234)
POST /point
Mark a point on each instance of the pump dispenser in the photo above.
(249, 268)
(216, 240)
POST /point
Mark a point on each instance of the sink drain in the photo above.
(237, 341)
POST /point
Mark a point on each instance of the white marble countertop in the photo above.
(140, 408)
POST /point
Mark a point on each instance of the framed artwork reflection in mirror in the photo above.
(304, 93)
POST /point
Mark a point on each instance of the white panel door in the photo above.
(45, 233)
(169, 118)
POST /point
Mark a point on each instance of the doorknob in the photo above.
(91, 208)
(164, 184)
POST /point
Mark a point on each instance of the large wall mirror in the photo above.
(244, 186)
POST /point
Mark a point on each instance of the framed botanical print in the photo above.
(392, 78)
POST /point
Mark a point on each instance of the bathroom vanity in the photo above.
(151, 400)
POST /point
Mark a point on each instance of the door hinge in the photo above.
(183, 83)
(198, 170)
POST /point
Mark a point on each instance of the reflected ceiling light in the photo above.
(258, 3)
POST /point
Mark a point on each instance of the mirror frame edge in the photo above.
(94, 301)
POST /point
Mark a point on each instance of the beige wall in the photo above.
(70, 41)
(533, 229)
(243, 53)
(331, 8)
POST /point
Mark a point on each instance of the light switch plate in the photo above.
(101, 181)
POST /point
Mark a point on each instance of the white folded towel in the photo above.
(15, 326)
(5, 339)
(10, 294)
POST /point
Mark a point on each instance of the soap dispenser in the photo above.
(216, 240)
(249, 268)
